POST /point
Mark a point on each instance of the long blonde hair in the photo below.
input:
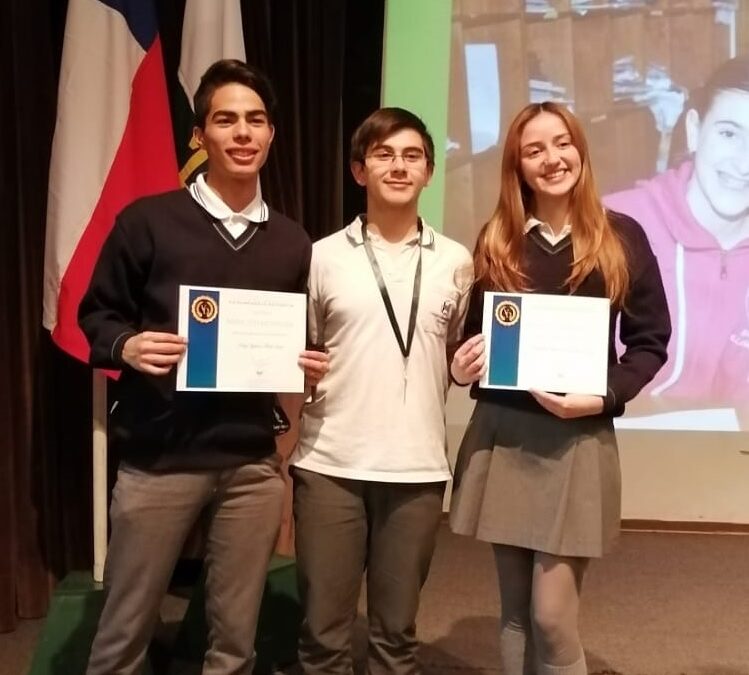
(498, 256)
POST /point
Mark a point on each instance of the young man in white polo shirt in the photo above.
(387, 299)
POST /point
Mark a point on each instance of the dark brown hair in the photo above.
(386, 122)
(730, 75)
(231, 71)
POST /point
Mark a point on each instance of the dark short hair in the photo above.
(386, 122)
(231, 71)
(731, 74)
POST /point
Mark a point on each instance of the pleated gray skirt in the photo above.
(529, 479)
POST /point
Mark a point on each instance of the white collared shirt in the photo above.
(235, 222)
(376, 415)
(546, 231)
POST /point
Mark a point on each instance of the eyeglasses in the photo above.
(411, 156)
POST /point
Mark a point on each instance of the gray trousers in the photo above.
(152, 514)
(342, 528)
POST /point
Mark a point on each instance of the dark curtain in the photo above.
(365, 25)
(319, 53)
(303, 54)
(44, 396)
(301, 46)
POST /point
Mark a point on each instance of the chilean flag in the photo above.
(113, 143)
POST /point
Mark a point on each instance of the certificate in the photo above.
(241, 340)
(556, 343)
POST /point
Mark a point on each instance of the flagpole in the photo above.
(112, 64)
(99, 431)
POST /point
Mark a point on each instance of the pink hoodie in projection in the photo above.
(707, 290)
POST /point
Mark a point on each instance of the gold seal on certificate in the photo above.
(204, 309)
(507, 312)
(241, 340)
(555, 343)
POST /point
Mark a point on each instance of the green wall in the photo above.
(415, 75)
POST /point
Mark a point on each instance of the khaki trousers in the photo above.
(152, 513)
(342, 528)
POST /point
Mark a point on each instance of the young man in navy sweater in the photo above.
(187, 451)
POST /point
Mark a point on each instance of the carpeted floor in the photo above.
(660, 604)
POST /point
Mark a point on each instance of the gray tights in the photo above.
(540, 596)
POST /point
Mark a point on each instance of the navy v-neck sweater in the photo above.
(644, 324)
(158, 243)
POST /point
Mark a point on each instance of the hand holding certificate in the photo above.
(241, 340)
(555, 343)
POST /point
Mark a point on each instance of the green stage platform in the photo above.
(65, 640)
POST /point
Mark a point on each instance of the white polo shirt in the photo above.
(375, 415)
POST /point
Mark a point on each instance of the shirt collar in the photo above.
(532, 222)
(256, 211)
(354, 233)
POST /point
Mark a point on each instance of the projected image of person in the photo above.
(696, 217)
(538, 473)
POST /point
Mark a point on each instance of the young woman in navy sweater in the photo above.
(538, 473)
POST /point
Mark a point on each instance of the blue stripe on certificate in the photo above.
(202, 335)
(505, 340)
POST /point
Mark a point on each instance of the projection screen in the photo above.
(667, 147)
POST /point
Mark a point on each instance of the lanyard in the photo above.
(404, 347)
